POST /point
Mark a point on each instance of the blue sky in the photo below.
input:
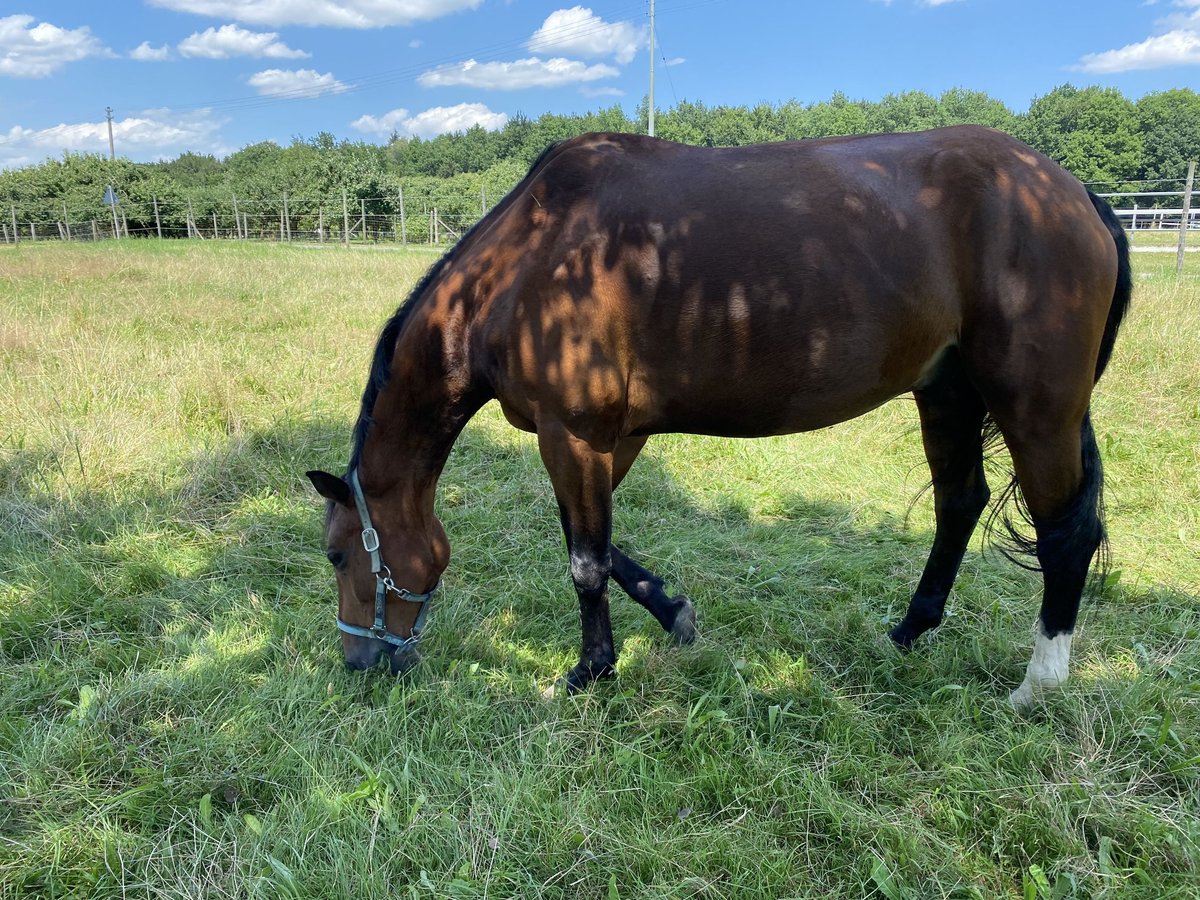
(214, 75)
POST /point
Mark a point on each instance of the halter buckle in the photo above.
(370, 539)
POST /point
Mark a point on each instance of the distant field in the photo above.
(1164, 239)
(176, 721)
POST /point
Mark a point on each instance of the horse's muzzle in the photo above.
(369, 654)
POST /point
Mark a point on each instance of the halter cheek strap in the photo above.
(383, 585)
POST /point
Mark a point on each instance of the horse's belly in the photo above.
(755, 413)
(757, 401)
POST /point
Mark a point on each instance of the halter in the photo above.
(383, 585)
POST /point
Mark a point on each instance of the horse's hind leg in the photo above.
(1060, 477)
(952, 415)
(674, 614)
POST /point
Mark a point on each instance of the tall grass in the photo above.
(175, 719)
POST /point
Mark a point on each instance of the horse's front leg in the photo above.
(582, 479)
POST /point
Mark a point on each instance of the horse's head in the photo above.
(387, 561)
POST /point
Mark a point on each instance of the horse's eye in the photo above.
(336, 558)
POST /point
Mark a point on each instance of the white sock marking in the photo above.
(1047, 667)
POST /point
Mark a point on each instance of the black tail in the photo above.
(1120, 301)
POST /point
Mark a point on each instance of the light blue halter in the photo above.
(383, 585)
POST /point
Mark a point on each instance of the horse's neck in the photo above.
(420, 412)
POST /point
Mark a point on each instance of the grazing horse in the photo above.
(629, 286)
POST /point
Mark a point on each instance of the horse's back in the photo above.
(781, 287)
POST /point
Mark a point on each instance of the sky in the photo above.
(212, 76)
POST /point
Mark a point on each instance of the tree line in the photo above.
(1100, 135)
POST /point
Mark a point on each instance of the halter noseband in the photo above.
(383, 585)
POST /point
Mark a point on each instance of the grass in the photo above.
(175, 719)
(1163, 239)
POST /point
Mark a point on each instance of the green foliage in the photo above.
(1093, 132)
(1170, 125)
(1096, 133)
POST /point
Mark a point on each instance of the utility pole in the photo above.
(112, 153)
(651, 130)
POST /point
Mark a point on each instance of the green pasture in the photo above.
(176, 721)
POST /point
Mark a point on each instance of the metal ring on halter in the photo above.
(383, 585)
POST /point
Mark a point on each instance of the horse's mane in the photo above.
(385, 347)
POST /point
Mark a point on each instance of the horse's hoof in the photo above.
(903, 637)
(1022, 698)
(683, 629)
(578, 679)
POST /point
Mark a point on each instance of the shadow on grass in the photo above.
(173, 641)
(163, 569)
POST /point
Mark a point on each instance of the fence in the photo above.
(282, 218)
(373, 220)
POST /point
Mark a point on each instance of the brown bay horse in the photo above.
(630, 286)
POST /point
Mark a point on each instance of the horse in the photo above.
(629, 286)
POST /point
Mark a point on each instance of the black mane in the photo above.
(385, 347)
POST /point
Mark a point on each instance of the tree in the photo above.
(962, 107)
(910, 111)
(1170, 125)
(837, 116)
(1092, 132)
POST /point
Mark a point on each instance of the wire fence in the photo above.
(284, 218)
(377, 220)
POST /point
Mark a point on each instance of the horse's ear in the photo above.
(330, 486)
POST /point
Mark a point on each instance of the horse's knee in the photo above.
(590, 572)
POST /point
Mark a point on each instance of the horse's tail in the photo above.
(1124, 290)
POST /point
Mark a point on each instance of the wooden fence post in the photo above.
(16, 233)
(191, 219)
(66, 221)
(237, 219)
(95, 233)
(1183, 220)
(321, 222)
(363, 218)
(287, 219)
(124, 222)
(157, 218)
(345, 220)
(215, 235)
(33, 233)
(403, 224)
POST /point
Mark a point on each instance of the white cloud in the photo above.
(143, 52)
(1175, 48)
(294, 83)
(937, 2)
(516, 75)
(1190, 18)
(1178, 44)
(581, 32)
(415, 43)
(336, 13)
(675, 61)
(601, 92)
(37, 51)
(431, 122)
(230, 40)
(151, 134)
